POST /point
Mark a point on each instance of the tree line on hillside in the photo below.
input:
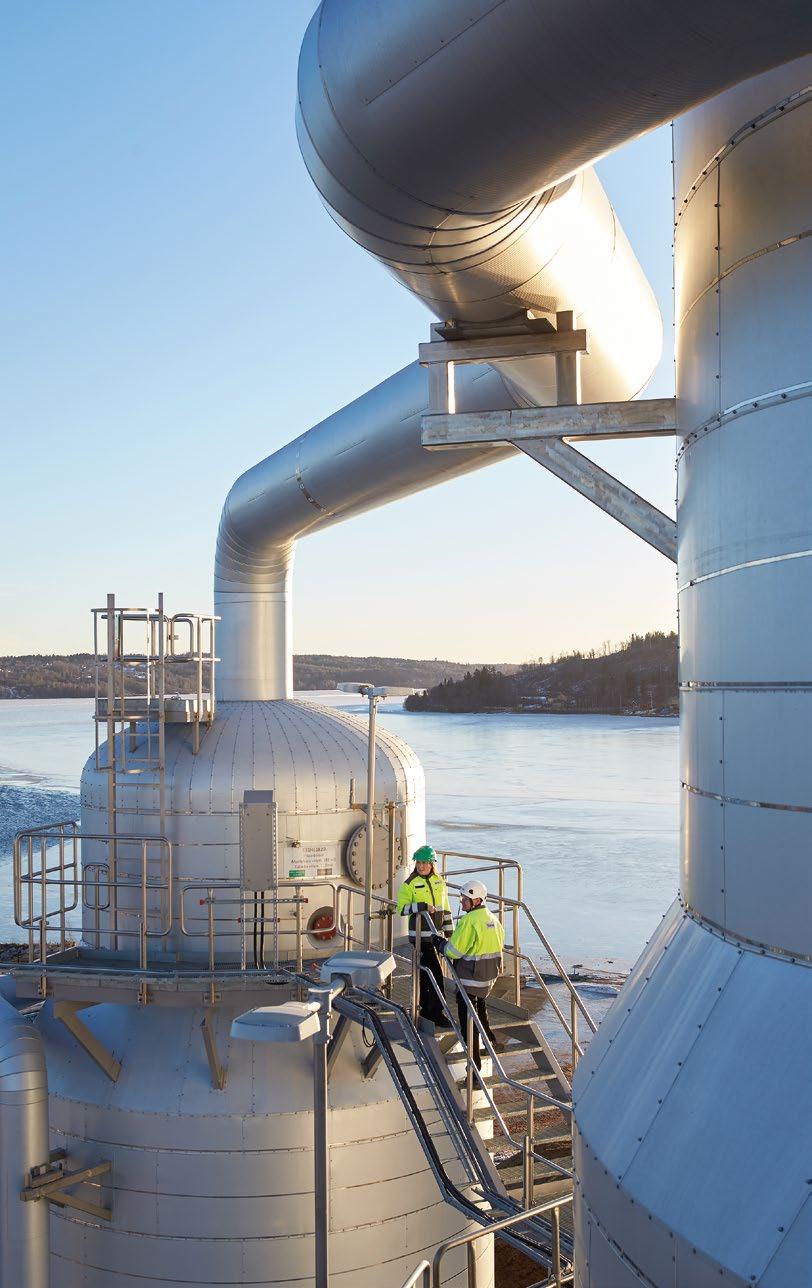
(638, 676)
(56, 676)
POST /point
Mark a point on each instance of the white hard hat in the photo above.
(476, 890)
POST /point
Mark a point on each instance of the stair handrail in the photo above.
(512, 950)
(409, 1031)
(463, 1240)
(472, 1074)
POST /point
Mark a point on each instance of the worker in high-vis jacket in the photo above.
(475, 952)
(424, 895)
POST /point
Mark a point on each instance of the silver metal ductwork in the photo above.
(24, 1241)
(451, 142)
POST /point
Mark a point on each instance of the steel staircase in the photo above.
(473, 1167)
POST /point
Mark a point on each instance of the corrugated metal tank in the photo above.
(693, 1101)
(216, 1187)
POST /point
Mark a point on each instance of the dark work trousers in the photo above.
(480, 1002)
(430, 1006)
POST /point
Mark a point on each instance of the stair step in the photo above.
(521, 1048)
(516, 1188)
(550, 1146)
(509, 1022)
(486, 1114)
(521, 1075)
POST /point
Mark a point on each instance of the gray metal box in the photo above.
(258, 841)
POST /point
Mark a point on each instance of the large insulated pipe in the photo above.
(449, 140)
(24, 1237)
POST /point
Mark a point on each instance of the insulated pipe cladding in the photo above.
(24, 1236)
(451, 142)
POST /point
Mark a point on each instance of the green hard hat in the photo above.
(425, 855)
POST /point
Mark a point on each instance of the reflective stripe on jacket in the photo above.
(419, 893)
(475, 950)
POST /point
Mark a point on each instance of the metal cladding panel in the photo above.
(215, 1187)
(650, 1054)
(396, 1272)
(698, 135)
(768, 876)
(702, 855)
(605, 1264)
(602, 1204)
(790, 1262)
(600, 1045)
(750, 626)
(774, 286)
(768, 746)
(701, 741)
(696, 246)
(752, 214)
(754, 478)
(738, 1158)
(697, 372)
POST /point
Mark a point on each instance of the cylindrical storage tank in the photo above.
(313, 759)
(692, 1102)
(214, 1187)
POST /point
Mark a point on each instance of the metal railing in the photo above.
(475, 1081)
(48, 885)
(428, 1273)
(516, 909)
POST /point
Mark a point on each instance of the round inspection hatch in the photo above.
(321, 928)
(356, 855)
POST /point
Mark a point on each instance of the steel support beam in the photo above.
(66, 1012)
(51, 1182)
(584, 422)
(497, 347)
(216, 1068)
(340, 1034)
(606, 492)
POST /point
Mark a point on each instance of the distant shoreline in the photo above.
(661, 714)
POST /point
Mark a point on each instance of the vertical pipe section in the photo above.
(321, 1155)
(24, 1234)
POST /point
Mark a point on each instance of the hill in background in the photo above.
(39, 676)
(637, 678)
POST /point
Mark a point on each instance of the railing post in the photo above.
(418, 926)
(555, 1216)
(370, 831)
(143, 935)
(469, 1068)
(517, 966)
(30, 899)
(390, 877)
(574, 1028)
(298, 893)
(210, 900)
(61, 889)
(527, 1172)
(43, 921)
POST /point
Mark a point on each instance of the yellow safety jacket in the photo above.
(418, 893)
(475, 950)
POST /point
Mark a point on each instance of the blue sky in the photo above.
(177, 305)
